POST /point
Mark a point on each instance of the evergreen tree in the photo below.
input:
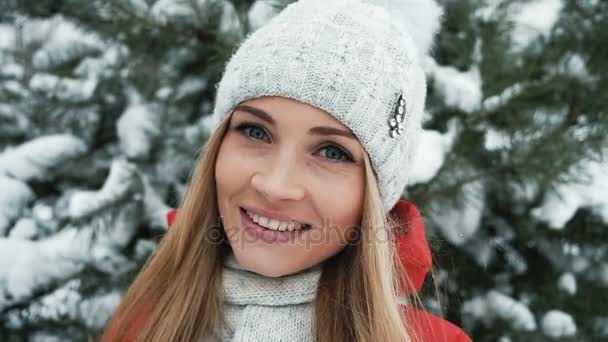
(104, 108)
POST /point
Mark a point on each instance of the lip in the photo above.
(273, 215)
(267, 235)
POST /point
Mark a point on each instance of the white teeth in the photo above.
(263, 221)
(283, 226)
(274, 224)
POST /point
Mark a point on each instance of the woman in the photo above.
(289, 227)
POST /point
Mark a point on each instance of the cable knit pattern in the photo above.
(259, 308)
(346, 58)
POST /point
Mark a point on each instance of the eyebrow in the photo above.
(318, 130)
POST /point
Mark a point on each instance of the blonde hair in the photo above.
(178, 294)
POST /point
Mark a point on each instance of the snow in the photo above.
(104, 66)
(11, 70)
(495, 305)
(494, 102)
(260, 13)
(420, 19)
(496, 140)
(42, 212)
(487, 12)
(457, 89)
(44, 215)
(63, 42)
(30, 266)
(54, 306)
(558, 324)
(144, 248)
(528, 22)
(229, 21)
(530, 19)
(155, 207)
(66, 89)
(560, 205)
(15, 88)
(96, 311)
(163, 93)
(27, 267)
(567, 283)
(35, 159)
(118, 184)
(575, 66)
(190, 86)
(173, 11)
(198, 13)
(24, 229)
(109, 260)
(138, 7)
(7, 37)
(14, 198)
(138, 128)
(431, 153)
(459, 220)
(511, 310)
(67, 303)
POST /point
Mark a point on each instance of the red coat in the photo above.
(415, 254)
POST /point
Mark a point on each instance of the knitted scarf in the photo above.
(260, 308)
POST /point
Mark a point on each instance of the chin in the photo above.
(270, 269)
(272, 273)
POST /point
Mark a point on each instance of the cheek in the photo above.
(342, 207)
(229, 173)
(342, 199)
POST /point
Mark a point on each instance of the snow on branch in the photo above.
(497, 306)
(27, 267)
(560, 205)
(458, 89)
(14, 198)
(35, 159)
(62, 40)
(138, 127)
(121, 182)
(66, 303)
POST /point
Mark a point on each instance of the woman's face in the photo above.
(283, 161)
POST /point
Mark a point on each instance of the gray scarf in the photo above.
(259, 308)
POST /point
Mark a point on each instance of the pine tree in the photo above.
(104, 108)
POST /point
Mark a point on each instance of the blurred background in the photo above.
(104, 107)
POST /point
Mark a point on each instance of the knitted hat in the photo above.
(360, 61)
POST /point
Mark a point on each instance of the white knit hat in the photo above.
(360, 61)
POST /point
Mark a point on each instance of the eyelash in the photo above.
(242, 128)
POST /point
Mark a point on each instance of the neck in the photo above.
(243, 287)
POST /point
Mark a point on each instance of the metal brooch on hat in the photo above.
(396, 122)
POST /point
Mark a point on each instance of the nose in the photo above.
(278, 180)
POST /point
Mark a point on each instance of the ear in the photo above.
(412, 246)
(171, 217)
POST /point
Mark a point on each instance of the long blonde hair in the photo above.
(178, 294)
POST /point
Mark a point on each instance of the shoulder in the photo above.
(432, 328)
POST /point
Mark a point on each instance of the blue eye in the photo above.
(330, 151)
(336, 153)
(253, 131)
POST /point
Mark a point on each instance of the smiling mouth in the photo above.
(275, 225)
